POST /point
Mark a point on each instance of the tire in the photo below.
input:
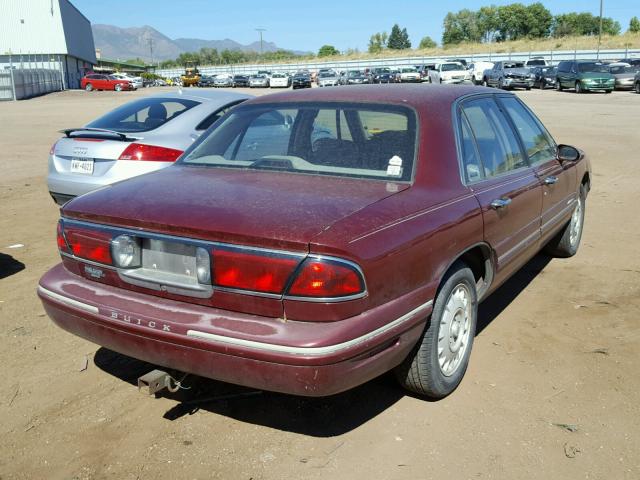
(558, 85)
(608, 91)
(423, 372)
(118, 87)
(528, 88)
(88, 87)
(579, 88)
(541, 85)
(566, 242)
(485, 83)
(636, 87)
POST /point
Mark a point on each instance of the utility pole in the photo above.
(599, 32)
(150, 41)
(260, 30)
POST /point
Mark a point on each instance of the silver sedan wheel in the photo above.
(576, 224)
(455, 327)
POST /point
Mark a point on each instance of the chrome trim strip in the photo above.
(313, 351)
(520, 245)
(88, 262)
(68, 301)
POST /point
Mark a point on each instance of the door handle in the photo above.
(550, 180)
(500, 203)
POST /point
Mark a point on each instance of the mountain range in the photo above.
(117, 43)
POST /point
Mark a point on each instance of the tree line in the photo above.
(517, 21)
(488, 24)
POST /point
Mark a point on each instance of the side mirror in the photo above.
(567, 153)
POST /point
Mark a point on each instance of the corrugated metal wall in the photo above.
(45, 27)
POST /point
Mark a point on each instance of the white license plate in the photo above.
(82, 165)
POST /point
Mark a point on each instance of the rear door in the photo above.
(558, 181)
(506, 187)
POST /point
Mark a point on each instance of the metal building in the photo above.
(47, 34)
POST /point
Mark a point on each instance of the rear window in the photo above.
(337, 139)
(144, 114)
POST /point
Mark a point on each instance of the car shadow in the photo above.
(317, 417)
(9, 266)
(500, 299)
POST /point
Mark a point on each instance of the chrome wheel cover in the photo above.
(455, 329)
(575, 226)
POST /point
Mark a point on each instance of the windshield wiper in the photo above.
(121, 136)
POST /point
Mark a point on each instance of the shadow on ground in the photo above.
(318, 417)
(9, 265)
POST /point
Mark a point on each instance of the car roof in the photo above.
(417, 96)
(201, 95)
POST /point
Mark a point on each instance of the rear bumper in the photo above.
(302, 358)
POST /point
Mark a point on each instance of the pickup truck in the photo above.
(507, 75)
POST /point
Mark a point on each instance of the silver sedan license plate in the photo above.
(82, 165)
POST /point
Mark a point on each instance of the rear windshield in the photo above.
(532, 63)
(144, 114)
(513, 65)
(337, 139)
(448, 67)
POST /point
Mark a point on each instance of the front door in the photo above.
(557, 180)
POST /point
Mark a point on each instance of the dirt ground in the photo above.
(552, 391)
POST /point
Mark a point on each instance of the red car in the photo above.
(313, 240)
(99, 81)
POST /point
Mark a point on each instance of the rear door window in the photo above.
(144, 114)
(498, 146)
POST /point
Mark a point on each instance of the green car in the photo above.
(584, 76)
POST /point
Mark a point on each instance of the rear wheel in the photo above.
(566, 242)
(636, 87)
(484, 82)
(438, 362)
(118, 87)
(579, 88)
(88, 87)
(558, 86)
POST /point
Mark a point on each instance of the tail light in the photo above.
(90, 244)
(150, 153)
(62, 241)
(265, 273)
(326, 279)
(272, 273)
(52, 150)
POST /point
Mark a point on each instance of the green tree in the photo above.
(463, 26)
(406, 43)
(584, 23)
(512, 20)
(378, 42)
(327, 51)
(427, 42)
(538, 21)
(488, 23)
(634, 25)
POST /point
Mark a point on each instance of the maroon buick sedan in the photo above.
(311, 241)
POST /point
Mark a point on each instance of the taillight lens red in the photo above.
(62, 242)
(89, 244)
(326, 279)
(150, 153)
(252, 271)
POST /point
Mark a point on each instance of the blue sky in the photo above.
(309, 24)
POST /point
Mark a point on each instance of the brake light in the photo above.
(266, 273)
(89, 244)
(150, 153)
(53, 148)
(62, 242)
(326, 279)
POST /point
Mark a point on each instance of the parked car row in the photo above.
(305, 242)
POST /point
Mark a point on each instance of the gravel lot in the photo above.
(553, 389)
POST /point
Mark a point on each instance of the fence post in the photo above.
(13, 83)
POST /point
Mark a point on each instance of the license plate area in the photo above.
(82, 165)
(168, 266)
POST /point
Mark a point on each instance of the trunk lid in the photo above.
(254, 208)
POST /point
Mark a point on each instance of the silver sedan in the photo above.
(136, 138)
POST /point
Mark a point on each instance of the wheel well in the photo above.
(478, 259)
(586, 180)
